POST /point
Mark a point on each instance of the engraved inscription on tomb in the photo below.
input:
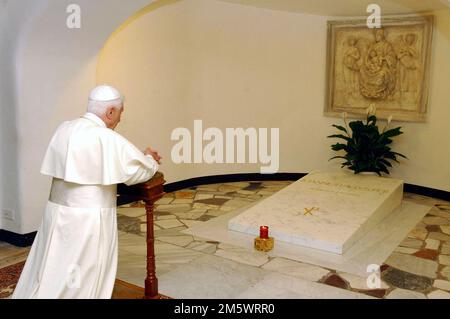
(339, 186)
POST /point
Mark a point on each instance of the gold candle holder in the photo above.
(264, 244)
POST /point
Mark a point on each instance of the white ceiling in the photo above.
(347, 7)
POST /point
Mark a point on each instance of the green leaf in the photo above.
(391, 156)
(372, 119)
(401, 155)
(339, 127)
(340, 136)
(334, 157)
(392, 132)
(385, 162)
(383, 168)
(338, 147)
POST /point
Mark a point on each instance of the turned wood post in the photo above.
(149, 192)
(151, 282)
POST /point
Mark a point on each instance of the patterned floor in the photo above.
(418, 268)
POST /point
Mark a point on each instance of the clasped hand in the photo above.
(153, 153)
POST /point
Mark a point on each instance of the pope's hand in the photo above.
(153, 153)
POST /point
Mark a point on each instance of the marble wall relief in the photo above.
(388, 67)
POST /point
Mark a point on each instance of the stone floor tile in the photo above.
(420, 226)
(439, 236)
(182, 240)
(433, 228)
(203, 247)
(243, 256)
(193, 214)
(239, 184)
(444, 260)
(170, 223)
(418, 233)
(445, 249)
(253, 186)
(166, 217)
(205, 218)
(445, 272)
(184, 194)
(444, 207)
(170, 231)
(432, 244)
(227, 208)
(406, 250)
(205, 206)
(237, 203)
(445, 229)
(245, 192)
(213, 201)
(427, 254)
(411, 243)
(336, 281)
(200, 196)
(164, 201)
(183, 201)
(296, 269)
(405, 280)
(174, 208)
(215, 212)
(377, 293)
(439, 294)
(189, 223)
(399, 293)
(413, 265)
(440, 213)
(442, 284)
(131, 212)
(436, 221)
(228, 188)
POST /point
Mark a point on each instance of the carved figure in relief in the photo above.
(408, 57)
(351, 66)
(378, 73)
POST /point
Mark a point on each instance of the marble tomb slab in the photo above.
(373, 248)
(328, 211)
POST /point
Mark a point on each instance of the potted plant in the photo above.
(367, 149)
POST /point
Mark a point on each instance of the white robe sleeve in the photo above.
(143, 173)
(133, 165)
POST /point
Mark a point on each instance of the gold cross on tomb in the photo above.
(310, 210)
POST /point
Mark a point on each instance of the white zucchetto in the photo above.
(104, 93)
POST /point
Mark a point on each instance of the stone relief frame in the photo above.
(387, 67)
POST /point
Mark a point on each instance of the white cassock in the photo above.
(74, 254)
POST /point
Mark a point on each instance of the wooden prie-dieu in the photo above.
(149, 192)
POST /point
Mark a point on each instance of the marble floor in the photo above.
(193, 267)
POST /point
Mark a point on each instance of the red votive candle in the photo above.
(264, 232)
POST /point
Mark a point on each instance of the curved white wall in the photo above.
(54, 68)
(14, 22)
(239, 66)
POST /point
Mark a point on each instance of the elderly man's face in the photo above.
(114, 116)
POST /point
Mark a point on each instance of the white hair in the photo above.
(100, 107)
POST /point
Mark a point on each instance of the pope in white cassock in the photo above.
(74, 254)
